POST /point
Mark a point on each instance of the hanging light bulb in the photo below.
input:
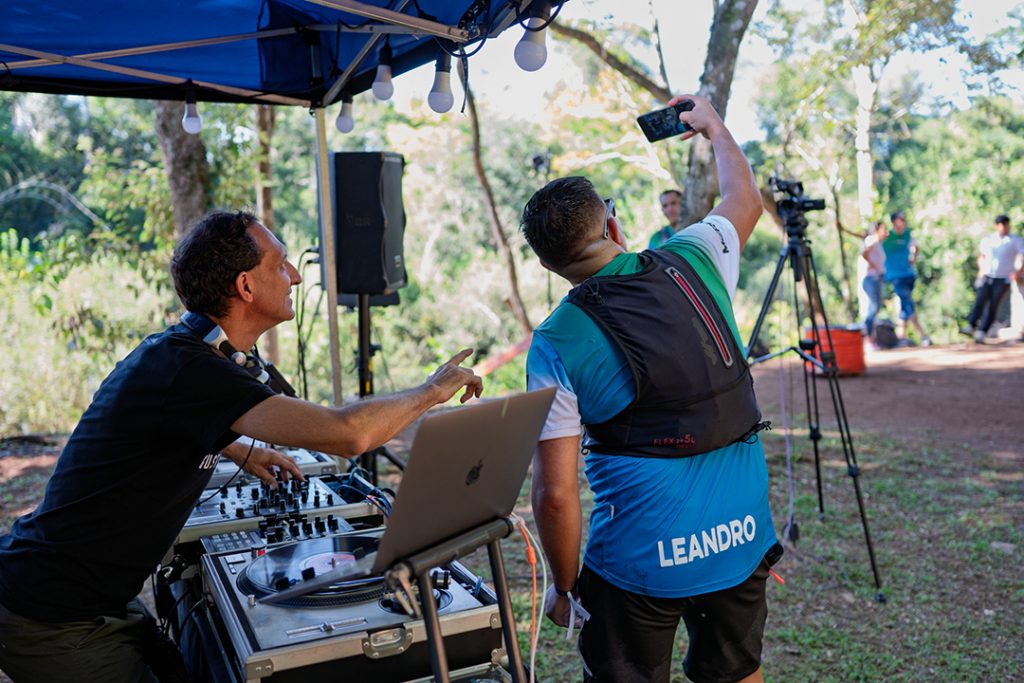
(383, 87)
(440, 98)
(531, 52)
(345, 121)
(191, 121)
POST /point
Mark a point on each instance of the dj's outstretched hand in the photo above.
(451, 377)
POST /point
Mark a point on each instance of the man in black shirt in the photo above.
(147, 445)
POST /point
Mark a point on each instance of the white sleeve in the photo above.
(722, 244)
(544, 369)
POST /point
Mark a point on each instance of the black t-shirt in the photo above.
(126, 481)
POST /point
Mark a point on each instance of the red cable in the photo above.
(531, 557)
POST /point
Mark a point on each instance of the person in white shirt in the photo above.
(872, 271)
(999, 263)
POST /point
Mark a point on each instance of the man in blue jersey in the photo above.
(651, 376)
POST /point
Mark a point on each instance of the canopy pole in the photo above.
(327, 252)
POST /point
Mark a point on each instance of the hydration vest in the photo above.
(693, 388)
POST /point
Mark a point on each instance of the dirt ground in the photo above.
(969, 395)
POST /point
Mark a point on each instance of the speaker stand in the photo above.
(364, 364)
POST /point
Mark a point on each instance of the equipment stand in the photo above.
(419, 565)
(797, 253)
(364, 364)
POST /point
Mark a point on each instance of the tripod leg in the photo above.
(768, 298)
(800, 265)
(832, 376)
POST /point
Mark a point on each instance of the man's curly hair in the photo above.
(558, 218)
(210, 257)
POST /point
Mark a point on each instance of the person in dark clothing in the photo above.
(147, 445)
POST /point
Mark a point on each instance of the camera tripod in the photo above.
(797, 253)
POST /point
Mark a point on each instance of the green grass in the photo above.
(955, 602)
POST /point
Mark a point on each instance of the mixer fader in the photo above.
(309, 507)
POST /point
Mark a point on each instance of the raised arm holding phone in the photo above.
(653, 386)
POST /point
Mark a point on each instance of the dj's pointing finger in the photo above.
(460, 356)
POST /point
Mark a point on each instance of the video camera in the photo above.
(794, 204)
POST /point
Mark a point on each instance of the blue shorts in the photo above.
(904, 288)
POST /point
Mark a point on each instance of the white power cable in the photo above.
(537, 606)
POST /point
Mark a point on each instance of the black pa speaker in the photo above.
(369, 221)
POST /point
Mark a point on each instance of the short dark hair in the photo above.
(558, 218)
(671, 191)
(1003, 218)
(877, 224)
(897, 214)
(210, 257)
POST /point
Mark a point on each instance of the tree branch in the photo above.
(660, 93)
(500, 237)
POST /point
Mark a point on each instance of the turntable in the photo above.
(350, 630)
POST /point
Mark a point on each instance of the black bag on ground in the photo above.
(885, 334)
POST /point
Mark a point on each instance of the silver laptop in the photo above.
(465, 468)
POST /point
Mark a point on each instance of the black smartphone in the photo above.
(664, 123)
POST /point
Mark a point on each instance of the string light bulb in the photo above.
(531, 52)
(383, 87)
(192, 122)
(440, 98)
(345, 121)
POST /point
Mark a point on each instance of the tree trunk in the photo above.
(515, 301)
(265, 117)
(866, 88)
(188, 172)
(730, 23)
(849, 291)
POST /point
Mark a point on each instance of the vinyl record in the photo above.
(284, 566)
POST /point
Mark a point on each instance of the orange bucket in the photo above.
(849, 349)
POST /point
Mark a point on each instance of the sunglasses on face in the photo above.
(609, 211)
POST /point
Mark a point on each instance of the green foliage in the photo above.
(74, 317)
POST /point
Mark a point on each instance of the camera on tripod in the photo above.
(794, 204)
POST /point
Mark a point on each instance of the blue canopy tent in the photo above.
(309, 53)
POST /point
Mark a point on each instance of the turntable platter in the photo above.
(284, 566)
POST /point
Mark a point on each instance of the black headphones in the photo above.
(212, 334)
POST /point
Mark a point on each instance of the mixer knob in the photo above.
(255, 493)
(330, 499)
(442, 579)
(223, 508)
(239, 512)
